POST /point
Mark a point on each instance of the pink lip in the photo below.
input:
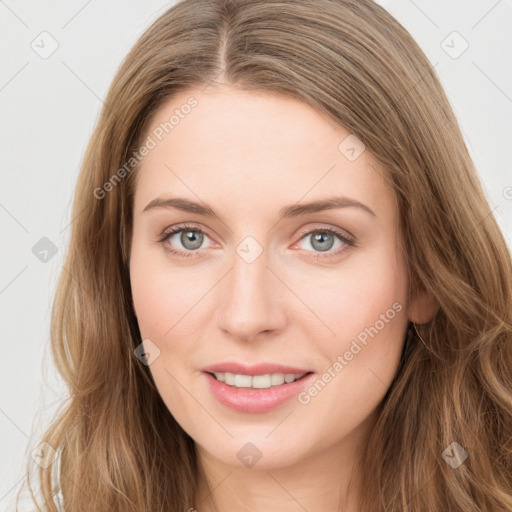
(257, 369)
(256, 400)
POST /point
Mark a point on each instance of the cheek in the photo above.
(162, 295)
(368, 314)
(355, 299)
(366, 309)
(164, 300)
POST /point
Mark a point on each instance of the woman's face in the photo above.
(256, 286)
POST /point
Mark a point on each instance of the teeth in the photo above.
(276, 379)
(257, 381)
(243, 381)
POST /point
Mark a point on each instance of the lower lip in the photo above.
(255, 400)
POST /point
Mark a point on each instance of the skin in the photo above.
(247, 155)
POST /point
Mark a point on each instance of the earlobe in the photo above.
(423, 306)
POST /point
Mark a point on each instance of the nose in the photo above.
(252, 299)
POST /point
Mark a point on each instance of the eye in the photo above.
(190, 237)
(323, 239)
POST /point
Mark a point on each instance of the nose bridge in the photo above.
(249, 303)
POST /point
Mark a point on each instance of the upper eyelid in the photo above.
(335, 230)
(316, 227)
(173, 230)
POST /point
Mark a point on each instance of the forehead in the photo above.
(253, 149)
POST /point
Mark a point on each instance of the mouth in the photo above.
(261, 393)
(257, 387)
(266, 381)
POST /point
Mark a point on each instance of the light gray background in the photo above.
(49, 107)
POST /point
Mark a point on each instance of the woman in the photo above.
(285, 289)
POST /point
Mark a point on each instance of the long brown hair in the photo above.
(119, 448)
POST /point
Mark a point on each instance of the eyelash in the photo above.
(350, 242)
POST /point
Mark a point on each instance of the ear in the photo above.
(423, 305)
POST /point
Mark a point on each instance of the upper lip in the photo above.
(254, 369)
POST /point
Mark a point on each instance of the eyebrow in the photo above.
(295, 210)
